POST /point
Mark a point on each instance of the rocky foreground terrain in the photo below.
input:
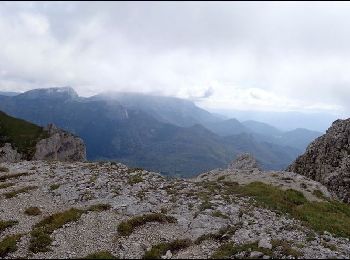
(90, 210)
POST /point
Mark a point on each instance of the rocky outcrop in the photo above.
(60, 145)
(244, 161)
(327, 160)
(8, 154)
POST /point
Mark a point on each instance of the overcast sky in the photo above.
(266, 56)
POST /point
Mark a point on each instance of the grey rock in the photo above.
(327, 160)
(60, 145)
(8, 154)
(256, 254)
(244, 161)
(265, 243)
(168, 254)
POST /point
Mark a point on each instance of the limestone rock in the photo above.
(255, 255)
(244, 161)
(265, 243)
(8, 154)
(60, 145)
(327, 160)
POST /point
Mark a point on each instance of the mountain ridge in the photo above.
(112, 131)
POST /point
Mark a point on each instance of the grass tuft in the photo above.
(229, 249)
(4, 224)
(4, 169)
(9, 245)
(285, 248)
(13, 176)
(54, 186)
(99, 207)
(222, 235)
(135, 179)
(32, 211)
(14, 193)
(319, 194)
(125, 228)
(6, 185)
(157, 251)
(40, 235)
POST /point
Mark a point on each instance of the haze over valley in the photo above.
(164, 134)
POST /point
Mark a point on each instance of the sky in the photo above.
(266, 56)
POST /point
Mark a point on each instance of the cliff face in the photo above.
(61, 146)
(327, 160)
(21, 140)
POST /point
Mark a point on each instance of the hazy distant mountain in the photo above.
(170, 110)
(8, 93)
(261, 128)
(299, 137)
(138, 132)
(50, 93)
(227, 127)
(285, 121)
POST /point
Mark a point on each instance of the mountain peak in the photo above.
(58, 92)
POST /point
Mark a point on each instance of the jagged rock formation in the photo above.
(8, 154)
(244, 161)
(60, 145)
(327, 160)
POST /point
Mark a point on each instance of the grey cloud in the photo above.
(297, 51)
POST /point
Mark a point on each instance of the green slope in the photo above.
(21, 134)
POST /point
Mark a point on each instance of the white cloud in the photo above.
(267, 56)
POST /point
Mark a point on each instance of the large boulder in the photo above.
(327, 160)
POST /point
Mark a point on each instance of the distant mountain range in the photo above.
(285, 120)
(165, 134)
